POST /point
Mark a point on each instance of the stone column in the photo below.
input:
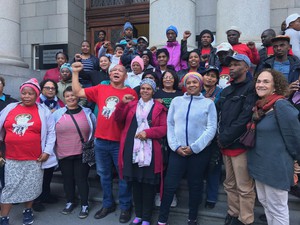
(179, 13)
(252, 17)
(10, 34)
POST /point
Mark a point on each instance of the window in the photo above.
(35, 57)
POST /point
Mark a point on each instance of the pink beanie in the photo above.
(34, 84)
(139, 60)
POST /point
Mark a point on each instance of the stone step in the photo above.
(214, 216)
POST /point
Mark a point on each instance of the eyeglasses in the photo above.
(50, 88)
(168, 78)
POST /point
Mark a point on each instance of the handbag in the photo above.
(248, 138)
(88, 152)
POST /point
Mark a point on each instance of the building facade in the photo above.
(32, 30)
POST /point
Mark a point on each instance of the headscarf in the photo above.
(196, 75)
(149, 82)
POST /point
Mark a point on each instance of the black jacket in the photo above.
(235, 111)
(294, 67)
(263, 54)
(7, 101)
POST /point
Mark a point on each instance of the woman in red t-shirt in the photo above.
(29, 139)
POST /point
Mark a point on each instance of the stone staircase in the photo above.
(214, 216)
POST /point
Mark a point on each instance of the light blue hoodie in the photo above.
(192, 121)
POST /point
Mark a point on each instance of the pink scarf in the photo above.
(142, 150)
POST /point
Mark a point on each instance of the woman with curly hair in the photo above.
(277, 143)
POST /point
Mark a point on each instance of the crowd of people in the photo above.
(158, 116)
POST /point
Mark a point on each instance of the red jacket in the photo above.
(124, 114)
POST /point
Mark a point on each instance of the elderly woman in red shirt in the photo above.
(27, 129)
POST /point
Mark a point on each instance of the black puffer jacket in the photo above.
(235, 111)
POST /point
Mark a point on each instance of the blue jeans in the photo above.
(106, 153)
(195, 166)
(212, 183)
(214, 172)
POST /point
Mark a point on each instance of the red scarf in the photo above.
(262, 106)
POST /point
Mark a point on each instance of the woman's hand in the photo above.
(127, 98)
(141, 135)
(43, 157)
(184, 151)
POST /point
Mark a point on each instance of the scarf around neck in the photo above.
(142, 149)
(51, 104)
(262, 106)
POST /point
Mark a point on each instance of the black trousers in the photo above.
(48, 174)
(143, 197)
(195, 166)
(75, 172)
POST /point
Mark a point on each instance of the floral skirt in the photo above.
(23, 181)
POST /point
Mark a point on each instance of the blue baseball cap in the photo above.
(238, 57)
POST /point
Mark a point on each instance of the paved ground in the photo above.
(52, 215)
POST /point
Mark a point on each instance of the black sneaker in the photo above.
(4, 220)
(68, 209)
(103, 212)
(192, 222)
(38, 206)
(84, 212)
(229, 219)
(125, 216)
(27, 217)
(210, 205)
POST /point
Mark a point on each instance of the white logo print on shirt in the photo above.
(22, 124)
(110, 106)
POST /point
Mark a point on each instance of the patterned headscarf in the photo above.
(150, 82)
(196, 75)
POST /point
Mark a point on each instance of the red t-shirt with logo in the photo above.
(107, 97)
(23, 133)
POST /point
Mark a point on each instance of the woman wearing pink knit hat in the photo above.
(134, 78)
(29, 139)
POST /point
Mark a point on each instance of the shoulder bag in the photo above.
(88, 152)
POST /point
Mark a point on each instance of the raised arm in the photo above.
(77, 89)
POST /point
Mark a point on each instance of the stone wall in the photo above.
(46, 22)
(206, 12)
(280, 10)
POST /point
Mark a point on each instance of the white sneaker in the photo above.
(157, 200)
(174, 201)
